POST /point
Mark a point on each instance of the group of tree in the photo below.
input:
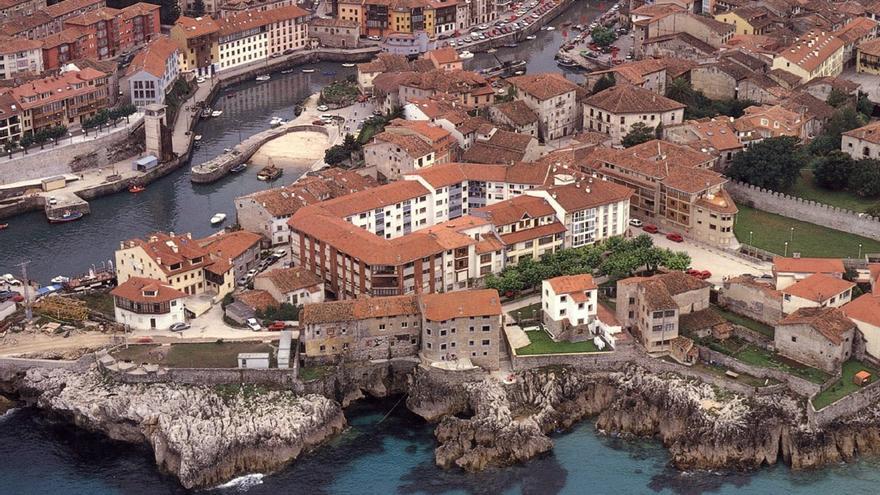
(40, 137)
(700, 106)
(340, 153)
(774, 163)
(845, 118)
(641, 133)
(837, 171)
(603, 36)
(111, 115)
(282, 312)
(606, 81)
(616, 257)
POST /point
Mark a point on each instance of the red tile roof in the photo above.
(583, 195)
(359, 309)
(832, 323)
(812, 49)
(566, 284)
(818, 287)
(515, 209)
(865, 308)
(625, 98)
(153, 57)
(257, 299)
(291, 279)
(136, 288)
(808, 265)
(460, 304)
(543, 86)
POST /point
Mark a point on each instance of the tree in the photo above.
(198, 8)
(837, 98)
(844, 119)
(774, 164)
(169, 12)
(26, 141)
(638, 133)
(658, 131)
(337, 154)
(833, 171)
(603, 36)
(865, 178)
(676, 260)
(864, 105)
(350, 143)
(606, 81)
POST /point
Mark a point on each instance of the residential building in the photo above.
(351, 10)
(570, 305)
(516, 116)
(231, 7)
(111, 32)
(752, 297)
(750, 19)
(868, 57)
(615, 110)
(239, 249)
(821, 87)
(65, 99)
(788, 271)
(674, 187)
(469, 88)
(384, 63)
(197, 40)
(863, 142)
(726, 80)
(761, 122)
(34, 26)
(335, 32)
(864, 311)
(291, 285)
(10, 118)
(853, 34)
(818, 337)
(152, 72)
(816, 290)
(716, 135)
(147, 304)
(815, 54)
(445, 58)
(288, 29)
(463, 327)
(527, 226)
(649, 73)
(20, 56)
(407, 44)
(65, 9)
(680, 45)
(242, 39)
(405, 146)
(554, 99)
(62, 47)
(14, 8)
(492, 145)
(651, 307)
(706, 29)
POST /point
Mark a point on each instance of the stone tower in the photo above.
(154, 128)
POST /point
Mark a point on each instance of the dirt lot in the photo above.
(202, 355)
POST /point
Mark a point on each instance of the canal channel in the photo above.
(175, 204)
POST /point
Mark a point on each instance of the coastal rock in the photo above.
(202, 435)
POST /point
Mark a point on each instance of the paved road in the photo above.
(720, 263)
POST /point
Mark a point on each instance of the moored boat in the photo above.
(197, 138)
(206, 112)
(238, 168)
(4, 226)
(506, 69)
(511, 45)
(464, 54)
(216, 113)
(67, 216)
(308, 71)
(264, 77)
(348, 64)
(134, 188)
(491, 50)
(60, 279)
(287, 71)
(531, 37)
(567, 62)
(276, 121)
(269, 173)
(218, 218)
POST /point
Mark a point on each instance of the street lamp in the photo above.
(860, 252)
(791, 235)
(786, 249)
(750, 241)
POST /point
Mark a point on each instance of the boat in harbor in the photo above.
(348, 64)
(206, 112)
(567, 63)
(269, 173)
(531, 37)
(134, 188)
(230, 95)
(218, 218)
(216, 113)
(96, 278)
(276, 121)
(548, 28)
(264, 77)
(197, 138)
(505, 69)
(60, 279)
(297, 110)
(464, 55)
(287, 71)
(241, 167)
(511, 45)
(491, 50)
(308, 71)
(4, 226)
(67, 216)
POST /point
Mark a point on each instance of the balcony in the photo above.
(379, 292)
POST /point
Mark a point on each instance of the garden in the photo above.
(751, 354)
(217, 354)
(844, 385)
(340, 93)
(541, 343)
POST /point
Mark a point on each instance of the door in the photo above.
(152, 323)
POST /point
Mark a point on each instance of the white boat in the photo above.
(227, 150)
(531, 37)
(308, 71)
(197, 138)
(465, 55)
(348, 64)
(276, 121)
(218, 218)
(264, 77)
(287, 71)
(551, 28)
(216, 113)
(491, 50)
(60, 279)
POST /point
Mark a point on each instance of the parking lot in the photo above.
(522, 16)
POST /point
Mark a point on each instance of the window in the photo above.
(381, 326)
(485, 343)
(793, 338)
(486, 328)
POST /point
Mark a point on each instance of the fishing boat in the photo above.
(241, 167)
(531, 37)
(566, 23)
(60, 279)
(206, 112)
(505, 69)
(269, 173)
(549, 28)
(227, 150)
(67, 216)
(276, 121)
(567, 62)
(464, 55)
(216, 113)
(218, 218)
(134, 188)
(329, 73)
(287, 71)
(491, 50)
(348, 64)
(308, 71)
(297, 110)
(264, 77)
(4, 226)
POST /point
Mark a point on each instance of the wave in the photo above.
(242, 483)
(8, 414)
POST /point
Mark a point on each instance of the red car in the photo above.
(693, 273)
(650, 228)
(705, 274)
(277, 326)
(675, 237)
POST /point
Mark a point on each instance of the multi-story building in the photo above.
(816, 290)
(554, 99)
(64, 99)
(288, 29)
(517, 116)
(20, 56)
(292, 285)
(462, 326)
(405, 146)
(111, 32)
(673, 21)
(570, 305)
(248, 37)
(853, 34)
(10, 118)
(717, 135)
(62, 47)
(615, 110)
(864, 311)
(863, 142)
(471, 89)
(153, 71)
(815, 54)
(239, 249)
(66, 9)
(197, 40)
(335, 32)
(789, 271)
(868, 57)
(147, 304)
(649, 73)
(651, 307)
(750, 19)
(761, 122)
(34, 26)
(527, 227)
(14, 8)
(674, 187)
(818, 337)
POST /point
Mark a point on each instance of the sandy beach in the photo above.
(292, 150)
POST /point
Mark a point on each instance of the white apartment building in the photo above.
(615, 110)
(570, 304)
(147, 304)
(288, 29)
(20, 56)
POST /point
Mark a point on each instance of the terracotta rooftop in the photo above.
(230, 245)
(11, 45)
(812, 49)
(543, 86)
(153, 57)
(20, 24)
(93, 16)
(370, 199)
(359, 309)
(257, 299)
(856, 29)
(699, 320)
(865, 308)
(460, 304)
(515, 209)
(677, 166)
(766, 287)
(869, 133)
(414, 146)
(194, 27)
(584, 195)
(625, 98)
(66, 7)
(501, 147)
(146, 290)
(333, 22)
(832, 323)
(818, 287)
(170, 249)
(326, 184)
(635, 72)
(533, 233)
(443, 56)
(718, 132)
(566, 284)
(774, 120)
(808, 265)
(517, 112)
(870, 47)
(291, 279)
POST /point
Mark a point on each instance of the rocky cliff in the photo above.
(202, 435)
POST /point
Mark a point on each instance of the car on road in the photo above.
(179, 327)
(9, 279)
(253, 324)
(374, 38)
(243, 281)
(200, 80)
(53, 200)
(277, 326)
(675, 237)
(280, 253)
(323, 108)
(251, 273)
(7, 294)
(651, 228)
(700, 274)
(635, 222)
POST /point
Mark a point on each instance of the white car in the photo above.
(323, 108)
(200, 80)
(281, 253)
(253, 324)
(635, 222)
(10, 280)
(52, 200)
(374, 38)
(251, 273)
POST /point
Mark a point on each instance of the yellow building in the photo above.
(197, 40)
(380, 17)
(747, 20)
(815, 54)
(351, 10)
(868, 57)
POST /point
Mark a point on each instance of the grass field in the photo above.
(543, 344)
(527, 313)
(202, 355)
(770, 232)
(754, 355)
(844, 386)
(806, 188)
(101, 302)
(745, 322)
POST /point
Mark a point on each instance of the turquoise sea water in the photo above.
(395, 456)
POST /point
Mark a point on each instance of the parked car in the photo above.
(675, 237)
(651, 228)
(7, 294)
(9, 279)
(692, 272)
(705, 275)
(179, 327)
(53, 200)
(323, 108)
(243, 281)
(277, 326)
(635, 222)
(253, 324)
(280, 253)
(374, 38)
(200, 80)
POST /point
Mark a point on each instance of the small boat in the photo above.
(348, 64)
(511, 45)
(218, 218)
(579, 27)
(276, 121)
(264, 77)
(567, 62)
(531, 37)
(206, 112)
(308, 71)
(134, 188)
(227, 150)
(287, 71)
(4, 226)
(269, 173)
(551, 28)
(216, 113)
(464, 55)
(230, 95)
(329, 73)
(491, 50)
(197, 138)
(67, 216)
(241, 167)
(60, 279)
(519, 73)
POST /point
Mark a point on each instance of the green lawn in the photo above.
(532, 312)
(806, 188)
(101, 302)
(770, 232)
(314, 372)
(202, 355)
(844, 386)
(543, 344)
(745, 322)
(754, 355)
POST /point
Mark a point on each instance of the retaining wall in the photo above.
(844, 406)
(805, 210)
(798, 385)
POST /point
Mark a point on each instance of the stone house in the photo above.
(649, 74)
(391, 154)
(725, 80)
(361, 329)
(291, 285)
(615, 110)
(863, 142)
(710, 31)
(716, 135)
(751, 297)
(864, 311)
(788, 271)
(570, 306)
(868, 57)
(554, 99)
(816, 290)
(680, 45)
(650, 307)
(853, 34)
(492, 145)
(334, 32)
(818, 337)
(462, 326)
(515, 115)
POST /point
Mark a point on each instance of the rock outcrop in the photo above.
(202, 435)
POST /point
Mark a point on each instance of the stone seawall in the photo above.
(845, 406)
(805, 210)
